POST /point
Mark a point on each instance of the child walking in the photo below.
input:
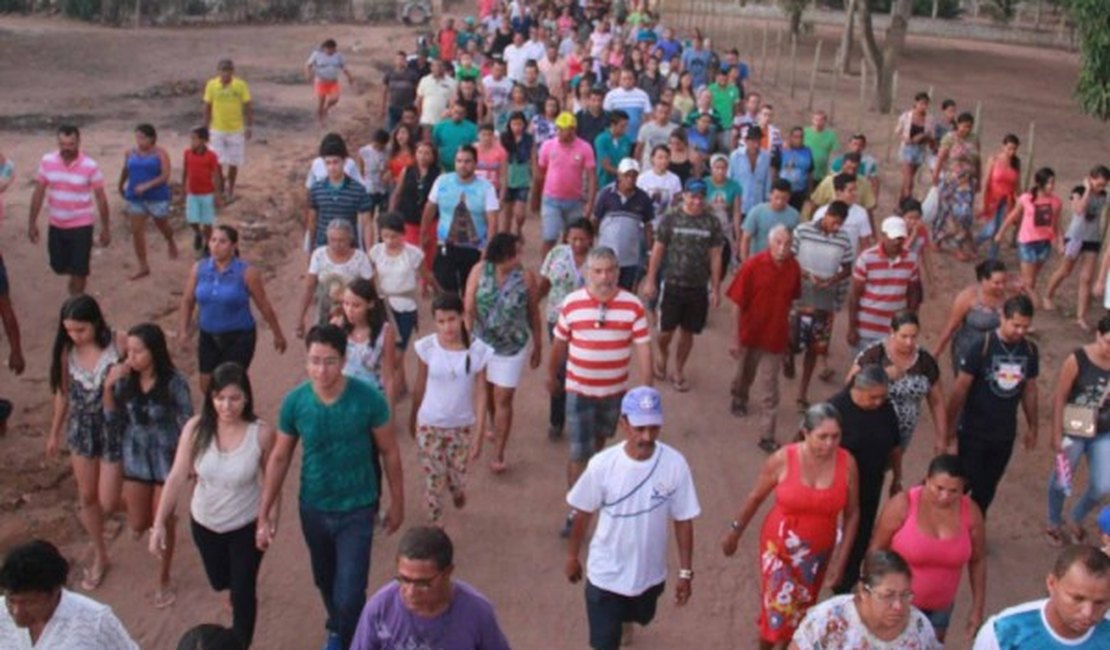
(201, 177)
(448, 403)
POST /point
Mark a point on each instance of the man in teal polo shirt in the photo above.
(347, 439)
(612, 146)
(450, 134)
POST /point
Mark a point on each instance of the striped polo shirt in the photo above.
(345, 201)
(69, 189)
(886, 283)
(599, 340)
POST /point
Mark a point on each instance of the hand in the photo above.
(735, 350)
(682, 591)
(997, 238)
(279, 342)
(33, 233)
(393, 518)
(895, 486)
(157, 544)
(1100, 287)
(853, 337)
(52, 445)
(299, 332)
(974, 622)
(715, 298)
(832, 576)
(573, 570)
(730, 542)
(16, 363)
(648, 289)
(264, 534)
(537, 357)
(105, 237)
(552, 385)
(1029, 440)
(117, 372)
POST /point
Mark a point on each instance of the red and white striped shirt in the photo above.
(69, 189)
(886, 283)
(599, 340)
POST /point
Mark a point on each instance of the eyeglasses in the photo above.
(419, 584)
(602, 313)
(888, 599)
(323, 361)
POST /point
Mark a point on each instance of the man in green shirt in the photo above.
(611, 147)
(347, 438)
(725, 97)
(821, 141)
(450, 134)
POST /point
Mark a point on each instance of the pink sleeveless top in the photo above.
(936, 563)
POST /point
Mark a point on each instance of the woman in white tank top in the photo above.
(224, 449)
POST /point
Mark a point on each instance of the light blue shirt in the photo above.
(755, 183)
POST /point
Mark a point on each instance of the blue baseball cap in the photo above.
(1104, 520)
(696, 185)
(643, 407)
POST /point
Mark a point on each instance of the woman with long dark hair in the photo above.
(371, 336)
(225, 448)
(1037, 214)
(84, 352)
(521, 147)
(147, 400)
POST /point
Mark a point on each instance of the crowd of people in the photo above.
(660, 187)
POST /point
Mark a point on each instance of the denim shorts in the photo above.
(200, 209)
(912, 154)
(156, 209)
(588, 419)
(517, 194)
(1034, 252)
(557, 214)
(940, 618)
(406, 325)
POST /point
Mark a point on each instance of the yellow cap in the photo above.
(566, 121)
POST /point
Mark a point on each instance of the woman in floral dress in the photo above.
(957, 177)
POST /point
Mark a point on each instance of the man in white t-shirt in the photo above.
(516, 55)
(858, 223)
(434, 94)
(636, 488)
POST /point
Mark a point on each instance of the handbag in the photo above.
(1081, 421)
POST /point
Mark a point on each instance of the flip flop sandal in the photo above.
(1055, 537)
(826, 375)
(164, 597)
(91, 581)
(680, 385)
(769, 446)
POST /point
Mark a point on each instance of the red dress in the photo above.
(795, 544)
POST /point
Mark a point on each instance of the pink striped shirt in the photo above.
(600, 337)
(69, 189)
(886, 283)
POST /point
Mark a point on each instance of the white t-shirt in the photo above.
(536, 50)
(449, 394)
(497, 91)
(599, 42)
(397, 274)
(318, 171)
(78, 623)
(635, 501)
(327, 271)
(856, 226)
(515, 58)
(373, 161)
(662, 188)
(435, 94)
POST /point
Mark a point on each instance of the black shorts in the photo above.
(69, 250)
(685, 307)
(452, 265)
(215, 349)
(607, 611)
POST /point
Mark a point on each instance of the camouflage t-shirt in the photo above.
(688, 240)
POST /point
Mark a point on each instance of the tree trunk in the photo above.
(885, 61)
(796, 21)
(844, 62)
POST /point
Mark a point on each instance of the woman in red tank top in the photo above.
(1000, 185)
(939, 530)
(814, 482)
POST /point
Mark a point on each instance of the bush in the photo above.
(945, 9)
(83, 9)
(14, 6)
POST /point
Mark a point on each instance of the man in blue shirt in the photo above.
(796, 166)
(750, 167)
(696, 61)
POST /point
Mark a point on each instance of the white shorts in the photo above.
(505, 371)
(230, 148)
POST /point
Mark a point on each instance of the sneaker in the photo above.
(567, 525)
(333, 642)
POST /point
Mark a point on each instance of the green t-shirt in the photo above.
(721, 199)
(606, 148)
(822, 145)
(724, 100)
(337, 465)
(448, 136)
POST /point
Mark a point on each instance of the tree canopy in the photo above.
(1092, 22)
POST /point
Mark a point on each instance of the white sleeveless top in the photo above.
(229, 486)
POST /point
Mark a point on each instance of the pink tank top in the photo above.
(936, 563)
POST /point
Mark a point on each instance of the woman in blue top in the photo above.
(144, 184)
(220, 288)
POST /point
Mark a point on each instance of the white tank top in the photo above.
(229, 486)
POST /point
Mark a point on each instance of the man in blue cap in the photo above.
(636, 488)
(687, 247)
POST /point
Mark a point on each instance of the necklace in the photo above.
(1002, 344)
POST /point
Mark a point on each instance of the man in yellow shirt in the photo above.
(229, 115)
(825, 193)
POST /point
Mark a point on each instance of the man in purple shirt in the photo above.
(423, 607)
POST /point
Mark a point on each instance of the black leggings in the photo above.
(452, 265)
(231, 561)
(984, 462)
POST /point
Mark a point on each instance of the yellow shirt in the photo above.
(824, 193)
(227, 103)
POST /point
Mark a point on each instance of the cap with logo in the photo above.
(695, 185)
(643, 407)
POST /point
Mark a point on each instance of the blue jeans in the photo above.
(1097, 451)
(558, 401)
(990, 229)
(339, 550)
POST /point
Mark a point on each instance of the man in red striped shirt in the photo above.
(599, 327)
(886, 279)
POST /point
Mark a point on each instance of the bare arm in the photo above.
(769, 476)
(188, 304)
(643, 361)
(257, 289)
(276, 469)
(426, 221)
(591, 193)
(656, 258)
(684, 536)
(175, 483)
(419, 386)
(385, 439)
(36, 206)
(854, 296)
(470, 296)
(1013, 217)
(941, 435)
(955, 319)
(891, 518)
(1029, 406)
(57, 420)
(310, 283)
(248, 117)
(745, 244)
(958, 397)
(535, 318)
(977, 570)
(851, 526)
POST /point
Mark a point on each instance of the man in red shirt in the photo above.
(763, 291)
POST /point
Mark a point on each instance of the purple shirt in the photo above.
(468, 623)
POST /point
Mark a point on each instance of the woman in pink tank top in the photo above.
(939, 531)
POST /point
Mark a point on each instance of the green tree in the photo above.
(1092, 22)
(794, 10)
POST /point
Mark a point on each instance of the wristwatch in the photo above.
(685, 574)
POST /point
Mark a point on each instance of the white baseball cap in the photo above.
(628, 165)
(894, 227)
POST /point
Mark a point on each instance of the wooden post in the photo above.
(862, 93)
(813, 75)
(793, 63)
(763, 56)
(778, 56)
(978, 115)
(1032, 150)
(894, 94)
(832, 95)
(930, 91)
(893, 86)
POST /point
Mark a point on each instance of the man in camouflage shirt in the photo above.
(688, 250)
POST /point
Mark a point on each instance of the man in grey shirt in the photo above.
(654, 133)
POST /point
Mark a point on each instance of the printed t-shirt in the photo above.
(1025, 627)
(227, 104)
(999, 375)
(688, 240)
(462, 209)
(467, 623)
(1038, 219)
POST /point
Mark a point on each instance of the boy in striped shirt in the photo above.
(885, 280)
